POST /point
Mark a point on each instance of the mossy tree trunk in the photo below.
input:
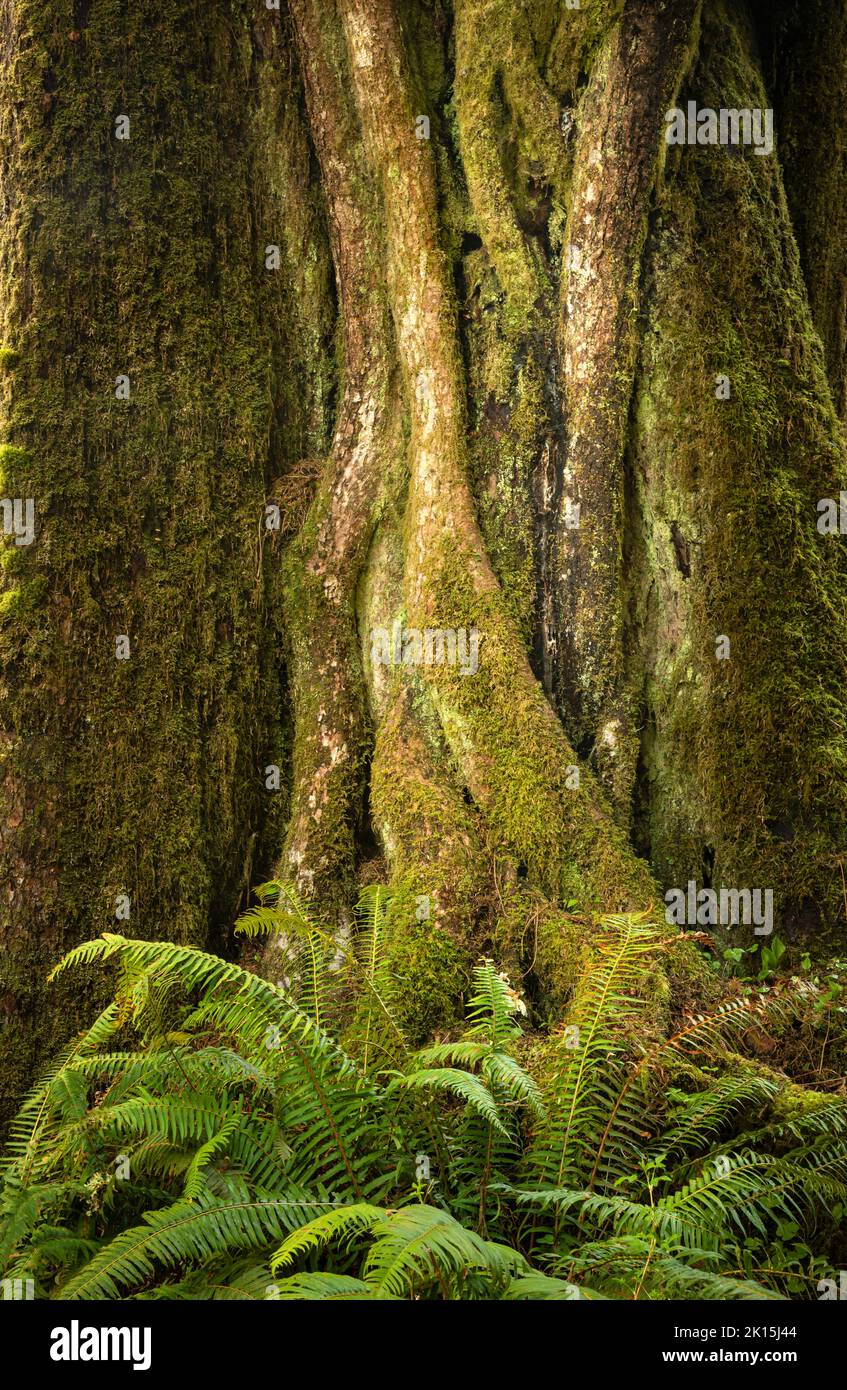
(617, 426)
(482, 388)
(134, 776)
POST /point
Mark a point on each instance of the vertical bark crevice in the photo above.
(477, 327)
(511, 749)
(804, 55)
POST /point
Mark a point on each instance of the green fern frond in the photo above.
(464, 1051)
(189, 1230)
(421, 1246)
(493, 1006)
(586, 1061)
(703, 1115)
(633, 1266)
(340, 1225)
(504, 1074)
(464, 1086)
(745, 1188)
(248, 1129)
(546, 1287)
(323, 1287)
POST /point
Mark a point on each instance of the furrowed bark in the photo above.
(494, 47)
(417, 811)
(533, 306)
(804, 54)
(740, 600)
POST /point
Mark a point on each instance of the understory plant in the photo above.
(217, 1135)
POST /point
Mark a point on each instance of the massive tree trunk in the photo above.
(133, 776)
(534, 391)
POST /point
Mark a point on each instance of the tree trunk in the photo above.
(137, 785)
(547, 405)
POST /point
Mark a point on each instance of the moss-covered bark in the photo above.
(618, 159)
(803, 44)
(496, 739)
(743, 754)
(324, 564)
(144, 258)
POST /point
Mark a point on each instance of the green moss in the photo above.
(543, 944)
(14, 463)
(20, 603)
(559, 828)
(790, 1100)
(511, 436)
(431, 834)
(324, 707)
(514, 159)
(803, 55)
(575, 38)
(429, 972)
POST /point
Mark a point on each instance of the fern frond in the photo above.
(189, 1230)
(747, 1187)
(493, 1006)
(419, 1246)
(633, 1266)
(342, 1224)
(586, 1059)
(464, 1051)
(323, 1287)
(546, 1287)
(380, 1032)
(504, 1073)
(705, 1114)
(464, 1086)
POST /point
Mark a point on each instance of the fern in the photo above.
(252, 1140)
(585, 1087)
(414, 1250)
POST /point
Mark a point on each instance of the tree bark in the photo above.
(137, 785)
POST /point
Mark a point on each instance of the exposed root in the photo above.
(324, 564)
